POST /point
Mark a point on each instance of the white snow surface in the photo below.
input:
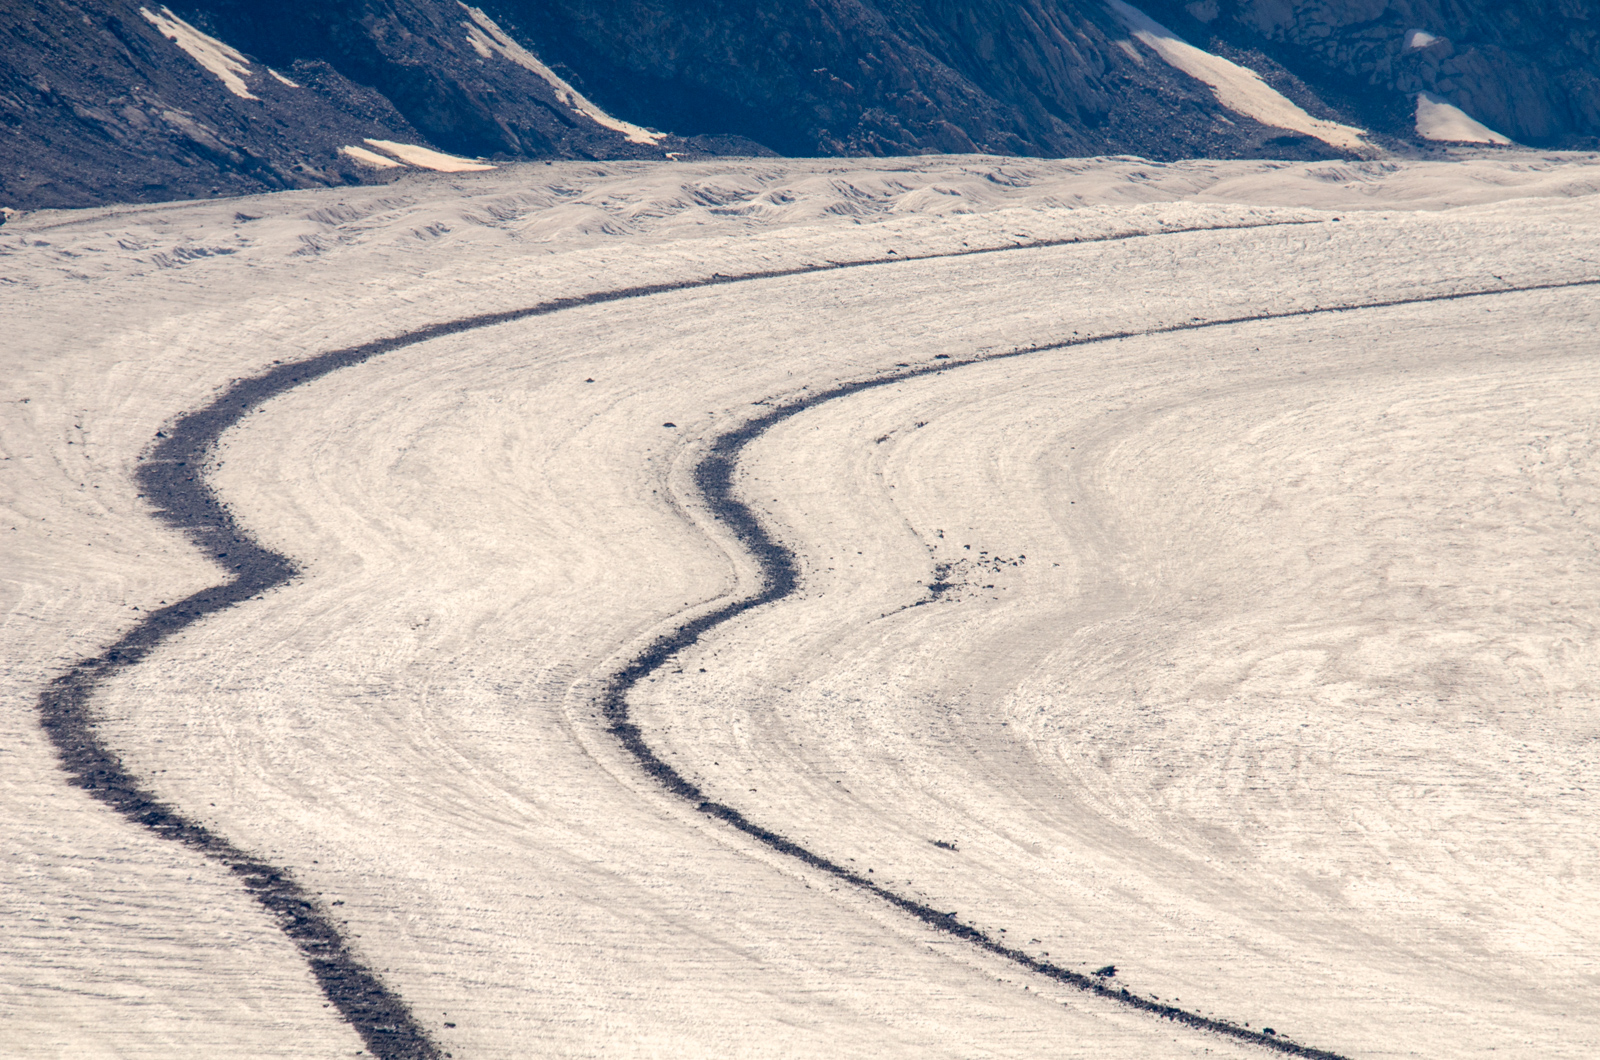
(1268, 668)
(1438, 119)
(282, 79)
(226, 62)
(1236, 87)
(370, 158)
(488, 39)
(428, 158)
(1419, 38)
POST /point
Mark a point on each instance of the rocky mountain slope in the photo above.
(116, 100)
(1530, 69)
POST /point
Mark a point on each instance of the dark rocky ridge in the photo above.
(1529, 69)
(894, 77)
(96, 105)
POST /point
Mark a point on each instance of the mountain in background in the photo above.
(114, 101)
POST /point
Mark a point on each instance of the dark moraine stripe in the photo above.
(172, 479)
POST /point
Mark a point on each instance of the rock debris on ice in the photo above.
(1289, 711)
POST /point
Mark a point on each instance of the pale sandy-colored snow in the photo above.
(488, 39)
(1438, 119)
(283, 80)
(227, 63)
(1298, 731)
(370, 158)
(428, 158)
(1239, 89)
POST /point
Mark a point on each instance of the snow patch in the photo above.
(1239, 89)
(488, 39)
(284, 80)
(1439, 120)
(1419, 38)
(427, 158)
(370, 158)
(227, 63)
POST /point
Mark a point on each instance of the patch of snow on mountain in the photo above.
(370, 158)
(1440, 120)
(227, 63)
(1419, 38)
(427, 158)
(1236, 87)
(281, 78)
(488, 39)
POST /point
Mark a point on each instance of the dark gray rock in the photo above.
(1529, 69)
(96, 105)
(832, 77)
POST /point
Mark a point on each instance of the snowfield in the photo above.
(228, 64)
(1202, 586)
(1438, 119)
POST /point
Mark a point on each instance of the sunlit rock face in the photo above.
(116, 100)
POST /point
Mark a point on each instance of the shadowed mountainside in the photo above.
(111, 100)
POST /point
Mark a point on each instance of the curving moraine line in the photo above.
(172, 480)
(713, 477)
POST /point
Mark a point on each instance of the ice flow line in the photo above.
(170, 475)
(172, 480)
(713, 477)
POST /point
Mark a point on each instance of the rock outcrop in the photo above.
(113, 100)
(1529, 69)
